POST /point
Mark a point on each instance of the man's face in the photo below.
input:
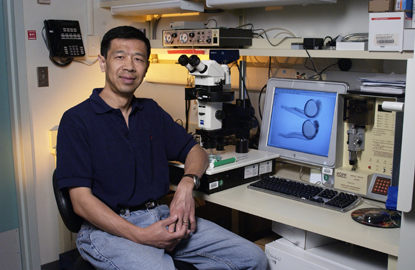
(125, 66)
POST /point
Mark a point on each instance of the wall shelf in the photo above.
(260, 48)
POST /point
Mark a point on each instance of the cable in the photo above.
(312, 61)
(243, 82)
(62, 62)
(248, 24)
(269, 41)
(257, 62)
(179, 120)
(187, 110)
(216, 22)
(259, 100)
(86, 61)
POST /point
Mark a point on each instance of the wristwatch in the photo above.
(196, 179)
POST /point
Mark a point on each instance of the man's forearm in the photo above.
(197, 161)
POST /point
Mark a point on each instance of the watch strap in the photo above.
(196, 179)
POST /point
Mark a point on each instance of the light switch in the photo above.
(42, 77)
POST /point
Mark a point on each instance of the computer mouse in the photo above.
(376, 217)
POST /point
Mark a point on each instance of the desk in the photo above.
(315, 219)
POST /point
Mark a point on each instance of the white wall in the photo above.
(71, 85)
(67, 87)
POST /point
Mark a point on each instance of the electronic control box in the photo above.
(248, 167)
(208, 37)
(375, 164)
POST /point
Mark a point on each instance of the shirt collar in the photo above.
(101, 107)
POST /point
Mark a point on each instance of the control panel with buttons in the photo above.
(207, 37)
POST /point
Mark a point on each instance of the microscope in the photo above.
(218, 116)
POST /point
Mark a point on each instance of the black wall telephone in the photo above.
(64, 38)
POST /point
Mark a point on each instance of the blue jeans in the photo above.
(210, 247)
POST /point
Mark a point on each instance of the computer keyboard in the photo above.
(307, 193)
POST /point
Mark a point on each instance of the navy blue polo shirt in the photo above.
(123, 166)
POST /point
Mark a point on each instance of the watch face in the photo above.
(197, 181)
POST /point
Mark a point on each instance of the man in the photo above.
(112, 154)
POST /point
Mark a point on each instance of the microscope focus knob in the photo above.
(220, 115)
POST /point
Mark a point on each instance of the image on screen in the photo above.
(302, 120)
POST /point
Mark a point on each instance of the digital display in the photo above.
(302, 120)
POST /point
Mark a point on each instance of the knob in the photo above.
(184, 38)
(167, 38)
(220, 115)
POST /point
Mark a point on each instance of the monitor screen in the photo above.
(300, 120)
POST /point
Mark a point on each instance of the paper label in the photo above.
(265, 167)
(386, 40)
(251, 171)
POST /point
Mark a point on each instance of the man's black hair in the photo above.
(123, 32)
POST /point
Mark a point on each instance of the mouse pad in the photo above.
(393, 220)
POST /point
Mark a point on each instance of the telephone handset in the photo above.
(64, 38)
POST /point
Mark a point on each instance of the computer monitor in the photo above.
(301, 120)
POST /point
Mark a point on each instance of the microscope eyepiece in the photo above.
(184, 61)
(195, 62)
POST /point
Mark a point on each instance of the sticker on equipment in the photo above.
(386, 39)
(251, 171)
(213, 185)
(265, 167)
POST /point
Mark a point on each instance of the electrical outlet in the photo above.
(299, 74)
(307, 74)
(42, 77)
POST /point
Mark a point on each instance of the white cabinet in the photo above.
(234, 4)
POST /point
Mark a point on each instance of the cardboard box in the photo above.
(282, 254)
(404, 5)
(408, 39)
(352, 181)
(301, 238)
(386, 31)
(381, 5)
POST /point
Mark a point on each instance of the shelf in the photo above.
(263, 48)
(328, 54)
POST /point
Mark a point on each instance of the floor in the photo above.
(67, 261)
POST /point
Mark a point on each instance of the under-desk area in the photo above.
(318, 220)
(307, 217)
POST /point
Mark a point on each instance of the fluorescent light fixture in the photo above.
(180, 14)
(158, 7)
(231, 4)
